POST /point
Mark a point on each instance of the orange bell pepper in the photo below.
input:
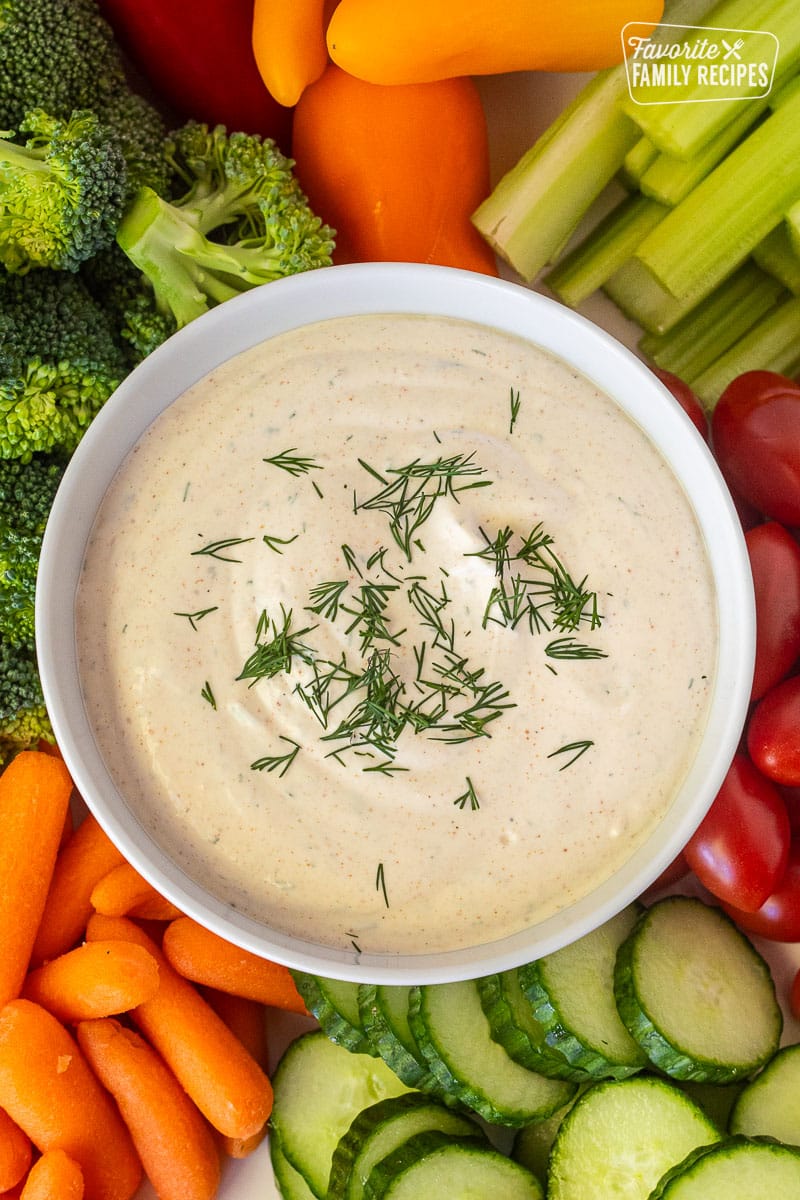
(390, 43)
(289, 45)
(396, 171)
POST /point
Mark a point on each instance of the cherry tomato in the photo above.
(773, 733)
(778, 919)
(775, 565)
(794, 997)
(686, 398)
(741, 848)
(791, 798)
(755, 433)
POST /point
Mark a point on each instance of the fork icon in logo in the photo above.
(732, 51)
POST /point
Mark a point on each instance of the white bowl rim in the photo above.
(391, 288)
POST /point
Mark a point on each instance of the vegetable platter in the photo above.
(520, 104)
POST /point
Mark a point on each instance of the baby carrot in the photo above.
(97, 979)
(54, 1176)
(123, 892)
(87, 857)
(206, 958)
(48, 1088)
(16, 1153)
(247, 1020)
(176, 1145)
(223, 1079)
(35, 790)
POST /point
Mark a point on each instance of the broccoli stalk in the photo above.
(241, 221)
(61, 193)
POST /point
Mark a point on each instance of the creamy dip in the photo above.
(396, 633)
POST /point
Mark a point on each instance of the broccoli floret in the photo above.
(241, 221)
(61, 193)
(61, 55)
(129, 301)
(23, 716)
(27, 491)
(60, 360)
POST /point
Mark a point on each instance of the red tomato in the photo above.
(755, 432)
(791, 798)
(794, 997)
(740, 850)
(686, 398)
(773, 733)
(778, 919)
(775, 564)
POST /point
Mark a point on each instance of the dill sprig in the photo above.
(195, 617)
(214, 549)
(469, 797)
(574, 749)
(277, 645)
(275, 543)
(294, 463)
(277, 762)
(408, 494)
(514, 402)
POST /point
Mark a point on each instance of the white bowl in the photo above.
(394, 288)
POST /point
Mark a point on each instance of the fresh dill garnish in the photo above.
(275, 543)
(380, 883)
(277, 762)
(350, 559)
(496, 550)
(369, 615)
(408, 494)
(277, 645)
(326, 598)
(575, 749)
(208, 695)
(194, 617)
(295, 464)
(214, 549)
(514, 401)
(567, 647)
(469, 797)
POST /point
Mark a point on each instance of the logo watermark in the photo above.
(692, 64)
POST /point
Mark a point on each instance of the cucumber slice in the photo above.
(384, 1018)
(695, 993)
(513, 1024)
(572, 996)
(433, 1164)
(621, 1136)
(290, 1183)
(736, 1169)
(769, 1105)
(379, 1130)
(334, 1002)
(320, 1087)
(453, 1033)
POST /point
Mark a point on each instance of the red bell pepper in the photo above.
(197, 56)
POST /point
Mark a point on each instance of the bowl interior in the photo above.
(385, 288)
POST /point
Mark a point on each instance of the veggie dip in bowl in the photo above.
(396, 623)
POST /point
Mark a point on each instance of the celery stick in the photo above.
(713, 327)
(639, 295)
(779, 95)
(721, 222)
(535, 208)
(777, 255)
(610, 244)
(669, 179)
(636, 161)
(771, 345)
(682, 128)
(793, 225)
